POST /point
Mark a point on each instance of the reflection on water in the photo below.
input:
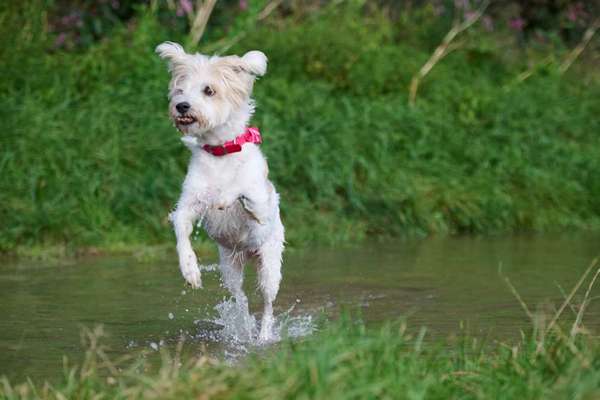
(437, 282)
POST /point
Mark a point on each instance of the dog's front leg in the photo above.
(183, 219)
(257, 203)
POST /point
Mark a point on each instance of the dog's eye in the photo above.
(209, 91)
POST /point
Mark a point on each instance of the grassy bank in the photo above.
(89, 158)
(348, 361)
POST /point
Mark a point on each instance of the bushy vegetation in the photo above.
(89, 157)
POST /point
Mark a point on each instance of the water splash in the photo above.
(238, 325)
(241, 328)
(294, 326)
(233, 329)
(233, 325)
(208, 268)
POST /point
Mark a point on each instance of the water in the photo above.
(440, 283)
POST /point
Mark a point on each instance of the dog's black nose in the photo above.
(183, 107)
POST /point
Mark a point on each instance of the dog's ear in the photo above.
(255, 62)
(171, 51)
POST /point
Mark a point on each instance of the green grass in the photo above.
(89, 158)
(346, 360)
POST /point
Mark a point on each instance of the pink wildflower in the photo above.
(184, 7)
(517, 24)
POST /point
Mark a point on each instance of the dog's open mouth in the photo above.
(185, 119)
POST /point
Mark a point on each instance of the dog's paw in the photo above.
(250, 209)
(192, 276)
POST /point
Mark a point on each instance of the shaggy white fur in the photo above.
(210, 103)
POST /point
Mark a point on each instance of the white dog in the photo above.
(226, 187)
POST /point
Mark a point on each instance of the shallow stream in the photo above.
(445, 284)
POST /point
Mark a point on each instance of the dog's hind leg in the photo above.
(231, 264)
(269, 277)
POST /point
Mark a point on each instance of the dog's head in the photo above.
(208, 91)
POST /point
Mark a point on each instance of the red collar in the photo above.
(251, 135)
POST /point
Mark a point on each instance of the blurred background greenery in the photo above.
(503, 134)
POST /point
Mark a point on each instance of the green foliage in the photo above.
(89, 157)
(346, 361)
